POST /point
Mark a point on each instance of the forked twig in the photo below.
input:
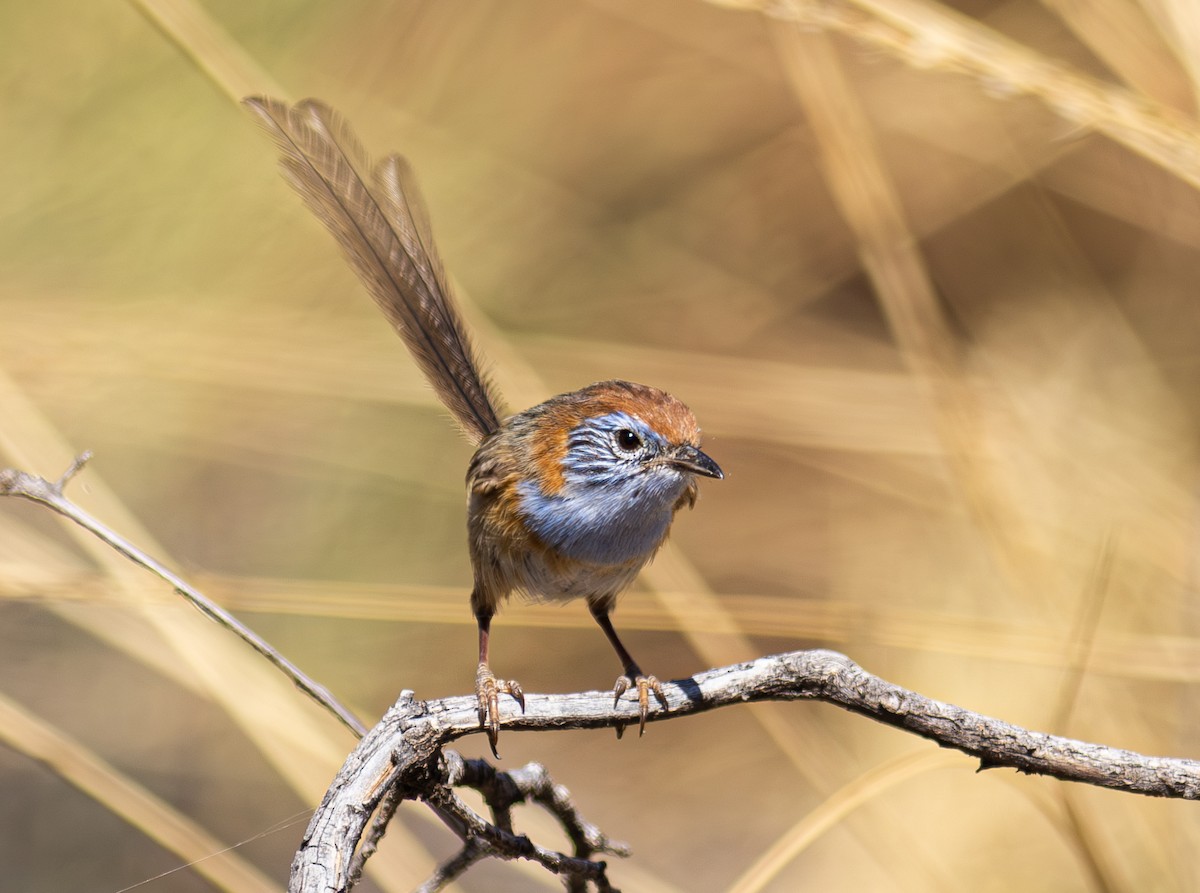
(501, 792)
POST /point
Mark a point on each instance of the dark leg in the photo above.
(488, 688)
(632, 677)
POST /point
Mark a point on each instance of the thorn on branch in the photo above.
(985, 764)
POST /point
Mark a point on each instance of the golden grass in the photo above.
(926, 278)
(867, 787)
(28, 735)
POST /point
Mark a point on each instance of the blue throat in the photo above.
(613, 508)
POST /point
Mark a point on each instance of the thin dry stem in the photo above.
(28, 486)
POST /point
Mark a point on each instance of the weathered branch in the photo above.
(406, 746)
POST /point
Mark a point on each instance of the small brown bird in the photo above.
(569, 499)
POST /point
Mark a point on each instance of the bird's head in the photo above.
(612, 464)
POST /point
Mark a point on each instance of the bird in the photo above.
(568, 499)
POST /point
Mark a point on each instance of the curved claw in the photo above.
(644, 685)
(487, 691)
(621, 686)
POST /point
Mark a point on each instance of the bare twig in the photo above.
(404, 748)
(28, 486)
(529, 784)
(474, 850)
(497, 842)
(383, 815)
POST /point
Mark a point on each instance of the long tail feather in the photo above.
(379, 220)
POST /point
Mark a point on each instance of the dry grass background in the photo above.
(926, 274)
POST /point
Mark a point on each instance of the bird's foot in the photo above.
(488, 690)
(644, 685)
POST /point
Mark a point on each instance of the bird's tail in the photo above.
(376, 214)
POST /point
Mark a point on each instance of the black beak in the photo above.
(688, 458)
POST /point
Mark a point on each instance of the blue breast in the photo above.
(601, 525)
(611, 509)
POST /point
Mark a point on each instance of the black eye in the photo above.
(627, 440)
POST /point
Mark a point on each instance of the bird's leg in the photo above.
(488, 688)
(632, 675)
